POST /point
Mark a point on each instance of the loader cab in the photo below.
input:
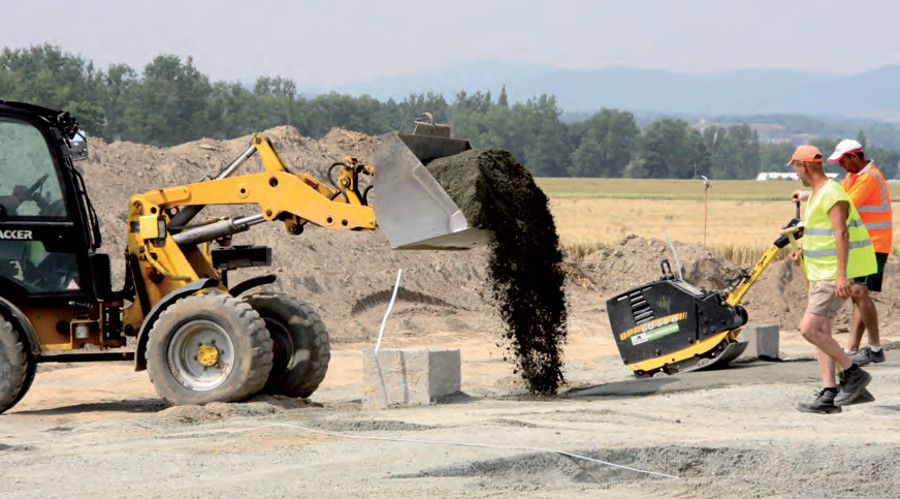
(47, 229)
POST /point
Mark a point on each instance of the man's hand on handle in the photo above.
(799, 195)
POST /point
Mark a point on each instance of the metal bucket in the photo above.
(411, 208)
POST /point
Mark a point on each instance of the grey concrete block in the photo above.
(410, 377)
(763, 342)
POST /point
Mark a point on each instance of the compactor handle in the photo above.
(666, 269)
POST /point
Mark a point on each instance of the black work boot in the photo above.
(853, 382)
(823, 404)
(866, 355)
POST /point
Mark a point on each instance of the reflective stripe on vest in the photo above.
(830, 232)
(833, 252)
(879, 225)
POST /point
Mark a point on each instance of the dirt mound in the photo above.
(350, 143)
(635, 260)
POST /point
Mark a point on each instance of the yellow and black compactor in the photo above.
(670, 326)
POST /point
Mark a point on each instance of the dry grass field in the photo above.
(739, 220)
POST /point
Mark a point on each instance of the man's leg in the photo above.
(857, 328)
(826, 368)
(863, 304)
(816, 329)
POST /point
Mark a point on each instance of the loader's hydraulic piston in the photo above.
(189, 212)
(215, 230)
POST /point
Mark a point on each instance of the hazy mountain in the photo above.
(870, 94)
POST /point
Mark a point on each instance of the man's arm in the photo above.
(838, 216)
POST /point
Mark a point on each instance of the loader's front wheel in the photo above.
(300, 343)
(17, 368)
(208, 348)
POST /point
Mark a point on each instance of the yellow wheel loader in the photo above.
(201, 338)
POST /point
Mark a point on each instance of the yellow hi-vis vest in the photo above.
(819, 242)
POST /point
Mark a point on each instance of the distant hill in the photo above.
(868, 95)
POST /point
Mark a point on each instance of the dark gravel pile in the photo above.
(497, 193)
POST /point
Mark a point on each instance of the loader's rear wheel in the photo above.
(17, 368)
(208, 348)
(300, 344)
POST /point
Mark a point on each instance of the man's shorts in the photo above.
(822, 299)
(873, 281)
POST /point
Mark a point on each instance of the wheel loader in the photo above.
(202, 338)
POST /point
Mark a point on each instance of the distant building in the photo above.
(777, 176)
(786, 176)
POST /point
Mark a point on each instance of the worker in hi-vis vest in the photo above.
(866, 187)
(836, 248)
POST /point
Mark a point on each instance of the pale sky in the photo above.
(337, 41)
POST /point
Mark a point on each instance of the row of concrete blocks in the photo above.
(401, 377)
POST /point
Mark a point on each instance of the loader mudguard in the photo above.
(12, 313)
(251, 283)
(140, 359)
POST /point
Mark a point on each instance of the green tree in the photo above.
(733, 152)
(171, 105)
(537, 138)
(46, 76)
(607, 142)
(672, 149)
(503, 100)
(861, 138)
(774, 156)
(118, 80)
(279, 94)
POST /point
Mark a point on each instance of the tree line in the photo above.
(170, 102)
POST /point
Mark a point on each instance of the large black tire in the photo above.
(208, 348)
(17, 368)
(300, 343)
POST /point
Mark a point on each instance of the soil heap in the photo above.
(497, 193)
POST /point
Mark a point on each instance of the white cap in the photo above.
(844, 147)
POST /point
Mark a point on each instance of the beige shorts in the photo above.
(822, 299)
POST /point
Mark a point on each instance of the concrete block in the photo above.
(411, 377)
(763, 341)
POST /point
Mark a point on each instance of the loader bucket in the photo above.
(411, 208)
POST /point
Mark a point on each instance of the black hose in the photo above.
(331, 169)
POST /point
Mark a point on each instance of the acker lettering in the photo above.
(15, 234)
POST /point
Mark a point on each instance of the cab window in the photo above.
(29, 186)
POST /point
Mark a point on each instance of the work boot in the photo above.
(864, 397)
(853, 382)
(823, 404)
(866, 355)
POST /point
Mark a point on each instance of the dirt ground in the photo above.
(100, 430)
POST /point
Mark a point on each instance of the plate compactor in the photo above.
(670, 326)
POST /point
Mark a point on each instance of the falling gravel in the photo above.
(497, 193)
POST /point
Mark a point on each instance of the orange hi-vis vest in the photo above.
(870, 195)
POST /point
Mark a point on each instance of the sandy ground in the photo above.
(99, 430)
